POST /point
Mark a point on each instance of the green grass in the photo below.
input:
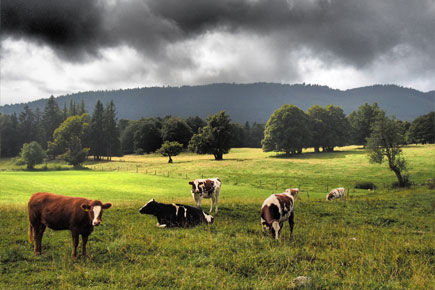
(371, 240)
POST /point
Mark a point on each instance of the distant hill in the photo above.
(245, 102)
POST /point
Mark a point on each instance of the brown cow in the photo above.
(58, 212)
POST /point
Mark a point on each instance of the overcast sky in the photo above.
(52, 47)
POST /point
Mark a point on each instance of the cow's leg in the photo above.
(198, 201)
(213, 200)
(84, 242)
(39, 232)
(75, 240)
(217, 202)
(291, 222)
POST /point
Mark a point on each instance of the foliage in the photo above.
(422, 129)
(195, 123)
(51, 118)
(215, 138)
(111, 131)
(96, 132)
(385, 143)
(9, 135)
(362, 120)
(176, 129)
(287, 130)
(147, 135)
(32, 154)
(170, 149)
(69, 139)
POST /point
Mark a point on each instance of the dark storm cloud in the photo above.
(350, 32)
(71, 28)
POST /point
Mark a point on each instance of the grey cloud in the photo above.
(352, 32)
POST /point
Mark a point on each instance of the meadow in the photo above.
(381, 239)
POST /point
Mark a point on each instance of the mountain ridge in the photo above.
(253, 102)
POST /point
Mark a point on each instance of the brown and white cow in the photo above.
(277, 209)
(206, 188)
(58, 212)
(336, 193)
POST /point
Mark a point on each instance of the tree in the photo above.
(69, 139)
(215, 138)
(384, 144)
(28, 126)
(111, 131)
(32, 154)
(170, 149)
(96, 131)
(287, 130)
(147, 136)
(9, 135)
(51, 118)
(422, 129)
(195, 123)
(361, 122)
(176, 129)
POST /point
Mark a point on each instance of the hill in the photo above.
(245, 102)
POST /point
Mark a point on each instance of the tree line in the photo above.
(73, 135)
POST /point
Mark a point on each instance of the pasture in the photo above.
(381, 239)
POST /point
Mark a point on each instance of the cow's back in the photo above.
(58, 212)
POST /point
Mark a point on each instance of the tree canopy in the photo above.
(32, 154)
(215, 138)
(287, 130)
(170, 149)
(384, 143)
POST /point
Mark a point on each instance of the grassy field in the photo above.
(381, 239)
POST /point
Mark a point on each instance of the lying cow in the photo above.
(336, 193)
(277, 209)
(58, 212)
(206, 188)
(176, 215)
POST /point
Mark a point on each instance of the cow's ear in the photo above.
(107, 205)
(191, 182)
(85, 207)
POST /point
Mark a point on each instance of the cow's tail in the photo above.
(31, 233)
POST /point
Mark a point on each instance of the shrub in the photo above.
(365, 185)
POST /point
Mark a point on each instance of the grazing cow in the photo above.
(58, 212)
(293, 191)
(206, 188)
(176, 215)
(336, 193)
(275, 210)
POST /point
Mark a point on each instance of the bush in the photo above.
(31, 154)
(365, 185)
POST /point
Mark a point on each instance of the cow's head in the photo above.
(330, 196)
(202, 186)
(293, 191)
(95, 211)
(197, 186)
(149, 207)
(208, 218)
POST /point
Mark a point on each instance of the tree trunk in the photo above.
(399, 176)
(170, 159)
(316, 149)
(218, 156)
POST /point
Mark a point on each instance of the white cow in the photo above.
(336, 193)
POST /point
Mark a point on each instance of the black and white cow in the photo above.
(277, 209)
(336, 193)
(176, 215)
(206, 188)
